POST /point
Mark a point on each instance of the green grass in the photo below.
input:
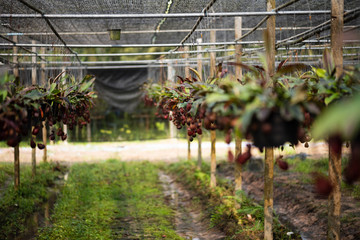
(6, 171)
(16, 206)
(112, 200)
(219, 204)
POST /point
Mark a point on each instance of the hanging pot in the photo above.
(274, 131)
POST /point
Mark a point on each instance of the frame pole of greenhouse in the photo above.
(33, 82)
(187, 75)
(16, 148)
(213, 132)
(199, 69)
(238, 75)
(153, 45)
(43, 83)
(334, 200)
(164, 15)
(269, 151)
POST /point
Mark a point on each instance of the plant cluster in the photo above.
(267, 108)
(64, 101)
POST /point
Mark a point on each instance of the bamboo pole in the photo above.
(44, 130)
(33, 82)
(199, 69)
(334, 200)
(171, 78)
(16, 148)
(238, 75)
(269, 151)
(213, 132)
(187, 75)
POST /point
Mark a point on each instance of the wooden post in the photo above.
(199, 69)
(269, 152)
(16, 148)
(334, 200)
(171, 78)
(187, 75)
(33, 82)
(213, 132)
(238, 75)
(65, 128)
(43, 83)
(88, 132)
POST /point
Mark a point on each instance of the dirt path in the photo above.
(297, 204)
(168, 150)
(189, 221)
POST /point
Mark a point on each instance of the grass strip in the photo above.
(17, 206)
(247, 222)
(112, 200)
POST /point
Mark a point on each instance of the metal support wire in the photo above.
(264, 19)
(205, 13)
(51, 27)
(201, 15)
(348, 16)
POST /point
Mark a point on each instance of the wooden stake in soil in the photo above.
(213, 132)
(269, 151)
(33, 156)
(213, 159)
(44, 130)
(199, 69)
(238, 75)
(34, 82)
(16, 148)
(16, 167)
(334, 201)
(187, 75)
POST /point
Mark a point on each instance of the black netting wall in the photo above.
(120, 87)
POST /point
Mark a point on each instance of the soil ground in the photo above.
(295, 201)
(297, 204)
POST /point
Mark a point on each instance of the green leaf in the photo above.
(34, 94)
(217, 97)
(195, 106)
(3, 95)
(52, 88)
(340, 118)
(86, 85)
(331, 98)
(320, 72)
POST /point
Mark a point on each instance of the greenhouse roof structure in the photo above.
(66, 27)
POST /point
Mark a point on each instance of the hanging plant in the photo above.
(65, 100)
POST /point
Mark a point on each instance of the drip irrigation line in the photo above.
(264, 19)
(51, 27)
(204, 12)
(25, 49)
